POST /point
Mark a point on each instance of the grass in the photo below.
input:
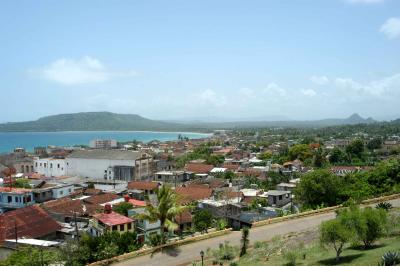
(316, 255)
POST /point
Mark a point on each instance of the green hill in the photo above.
(91, 121)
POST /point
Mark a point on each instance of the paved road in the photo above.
(190, 252)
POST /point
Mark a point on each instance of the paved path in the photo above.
(190, 252)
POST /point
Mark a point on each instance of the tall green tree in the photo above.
(335, 234)
(202, 220)
(165, 211)
(319, 187)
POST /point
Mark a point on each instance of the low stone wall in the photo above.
(322, 210)
(150, 250)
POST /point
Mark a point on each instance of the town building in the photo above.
(103, 144)
(110, 221)
(49, 167)
(109, 164)
(15, 198)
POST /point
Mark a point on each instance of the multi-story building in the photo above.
(49, 166)
(109, 164)
(15, 198)
(103, 144)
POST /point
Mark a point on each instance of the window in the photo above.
(58, 166)
(115, 228)
(51, 165)
(69, 190)
(129, 226)
(280, 197)
(36, 164)
(45, 165)
(9, 199)
(121, 227)
(40, 164)
(29, 199)
(16, 199)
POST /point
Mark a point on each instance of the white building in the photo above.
(109, 164)
(103, 143)
(49, 166)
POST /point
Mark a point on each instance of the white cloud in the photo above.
(319, 80)
(382, 87)
(309, 92)
(78, 71)
(246, 92)
(210, 97)
(273, 88)
(391, 28)
(365, 1)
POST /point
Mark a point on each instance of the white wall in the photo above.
(93, 168)
(49, 166)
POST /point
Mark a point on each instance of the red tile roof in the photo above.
(92, 191)
(137, 203)
(68, 207)
(101, 198)
(32, 222)
(184, 218)
(198, 168)
(143, 185)
(112, 218)
(193, 193)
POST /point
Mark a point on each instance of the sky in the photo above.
(179, 59)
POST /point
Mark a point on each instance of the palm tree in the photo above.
(165, 210)
(244, 241)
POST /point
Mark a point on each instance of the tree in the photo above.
(374, 144)
(355, 148)
(202, 220)
(336, 156)
(334, 233)
(300, 151)
(319, 187)
(32, 256)
(165, 211)
(375, 223)
(265, 156)
(244, 241)
(123, 208)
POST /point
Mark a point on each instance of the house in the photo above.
(144, 228)
(184, 221)
(172, 177)
(66, 209)
(278, 198)
(286, 186)
(198, 168)
(141, 189)
(190, 194)
(109, 164)
(28, 222)
(15, 198)
(110, 221)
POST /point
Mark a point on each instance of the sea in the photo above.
(29, 140)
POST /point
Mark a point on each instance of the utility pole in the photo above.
(16, 234)
(76, 227)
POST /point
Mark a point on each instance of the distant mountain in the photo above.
(90, 121)
(100, 121)
(397, 121)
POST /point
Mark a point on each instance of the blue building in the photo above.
(15, 198)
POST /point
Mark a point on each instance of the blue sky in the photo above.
(179, 59)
